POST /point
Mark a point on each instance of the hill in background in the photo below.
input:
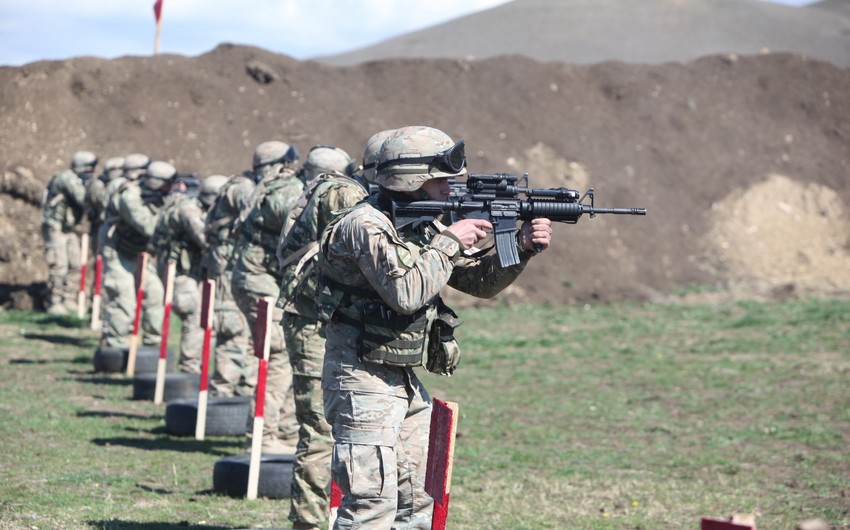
(633, 31)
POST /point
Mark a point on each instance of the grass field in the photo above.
(619, 417)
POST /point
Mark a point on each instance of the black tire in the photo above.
(110, 360)
(177, 385)
(226, 416)
(230, 476)
(147, 360)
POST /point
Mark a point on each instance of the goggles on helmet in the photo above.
(289, 157)
(452, 160)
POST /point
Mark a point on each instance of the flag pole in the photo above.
(157, 13)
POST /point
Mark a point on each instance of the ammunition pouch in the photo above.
(387, 337)
(443, 349)
(128, 241)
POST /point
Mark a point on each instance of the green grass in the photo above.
(619, 417)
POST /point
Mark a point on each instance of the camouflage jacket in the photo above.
(323, 198)
(179, 235)
(254, 252)
(63, 201)
(221, 224)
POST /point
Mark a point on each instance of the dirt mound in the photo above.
(678, 139)
(648, 31)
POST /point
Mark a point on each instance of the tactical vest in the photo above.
(263, 232)
(127, 239)
(385, 336)
(298, 245)
(169, 243)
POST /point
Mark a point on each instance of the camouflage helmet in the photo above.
(158, 174)
(370, 154)
(135, 165)
(411, 156)
(327, 159)
(83, 161)
(113, 167)
(210, 187)
(274, 152)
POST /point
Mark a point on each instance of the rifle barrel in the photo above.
(615, 211)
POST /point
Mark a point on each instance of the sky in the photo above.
(33, 30)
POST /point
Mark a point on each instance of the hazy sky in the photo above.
(32, 30)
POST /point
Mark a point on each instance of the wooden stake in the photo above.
(156, 40)
(84, 257)
(441, 450)
(141, 267)
(163, 343)
(262, 334)
(207, 312)
(95, 302)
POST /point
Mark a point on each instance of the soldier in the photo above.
(96, 197)
(61, 214)
(235, 366)
(332, 190)
(130, 222)
(379, 296)
(255, 276)
(179, 237)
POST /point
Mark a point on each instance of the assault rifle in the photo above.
(504, 199)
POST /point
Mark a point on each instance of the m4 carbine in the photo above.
(504, 199)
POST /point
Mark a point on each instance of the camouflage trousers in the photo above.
(119, 300)
(235, 365)
(186, 304)
(279, 414)
(311, 478)
(62, 255)
(380, 417)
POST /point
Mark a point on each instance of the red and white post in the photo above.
(84, 258)
(441, 451)
(262, 333)
(95, 301)
(171, 271)
(141, 267)
(207, 312)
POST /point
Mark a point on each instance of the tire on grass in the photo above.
(226, 416)
(176, 386)
(230, 476)
(147, 360)
(110, 360)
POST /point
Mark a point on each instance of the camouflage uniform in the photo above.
(378, 292)
(323, 197)
(255, 276)
(62, 212)
(235, 365)
(130, 220)
(96, 196)
(179, 237)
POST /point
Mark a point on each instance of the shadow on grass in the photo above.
(103, 379)
(115, 414)
(75, 360)
(53, 338)
(65, 321)
(119, 524)
(179, 445)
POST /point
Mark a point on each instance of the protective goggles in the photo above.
(452, 160)
(289, 157)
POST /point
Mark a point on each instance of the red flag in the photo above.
(157, 10)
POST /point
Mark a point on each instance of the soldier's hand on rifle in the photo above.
(536, 235)
(470, 231)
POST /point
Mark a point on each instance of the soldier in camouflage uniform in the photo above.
(235, 365)
(330, 191)
(130, 221)
(255, 276)
(179, 237)
(61, 214)
(379, 288)
(95, 202)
